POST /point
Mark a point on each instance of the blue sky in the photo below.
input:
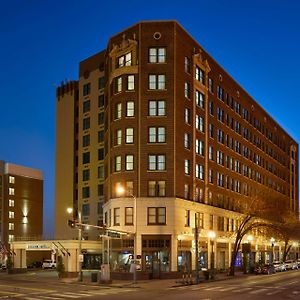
(42, 42)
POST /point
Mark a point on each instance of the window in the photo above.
(157, 135)
(157, 108)
(11, 191)
(220, 157)
(156, 162)
(85, 210)
(187, 116)
(128, 215)
(187, 218)
(11, 226)
(117, 216)
(11, 179)
(186, 141)
(125, 60)
(187, 167)
(220, 179)
(220, 134)
(210, 176)
(210, 85)
(129, 162)
(220, 93)
(86, 192)
(211, 130)
(156, 188)
(199, 171)
(11, 237)
(129, 136)
(101, 154)
(86, 140)
(101, 136)
(118, 137)
(101, 118)
(86, 89)
(199, 123)
(238, 107)
(199, 147)
(211, 153)
(187, 90)
(118, 111)
(118, 87)
(11, 203)
(100, 190)
(200, 75)
(86, 157)
(237, 186)
(211, 107)
(211, 222)
(187, 65)
(101, 83)
(99, 208)
(156, 215)
(157, 55)
(11, 215)
(199, 99)
(86, 123)
(186, 191)
(157, 82)
(118, 163)
(101, 101)
(129, 188)
(86, 106)
(220, 114)
(86, 175)
(130, 109)
(130, 82)
(237, 127)
(238, 147)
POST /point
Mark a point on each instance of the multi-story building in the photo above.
(155, 114)
(21, 204)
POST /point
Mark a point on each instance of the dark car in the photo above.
(265, 269)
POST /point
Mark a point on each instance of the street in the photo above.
(44, 285)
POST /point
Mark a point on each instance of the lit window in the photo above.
(117, 216)
(156, 162)
(119, 137)
(186, 141)
(199, 99)
(187, 90)
(187, 218)
(186, 166)
(157, 82)
(119, 85)
(157, 55)
(11, 191)
(129, 136)
(157, 108)
(11, 215)
(11, 237)
(156, 188)
(157, 134)
(200, 75)
(118, 111)
(130, 109)
(187, 116)
(11, 226)
(156, 215)
(129, 162)
(11, 203)
(118, 163)
(128, 215)
(11, 179)
(199, 123)
(211, 153)
(130, 82)
(187, 65)
(125, 60)
(199, 147)
(199, 171)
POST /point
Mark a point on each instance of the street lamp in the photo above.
(272, 240)
(121, 191)
(211, 236)
(79, 227)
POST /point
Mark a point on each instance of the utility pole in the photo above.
(197, 250)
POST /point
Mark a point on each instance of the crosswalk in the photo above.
(252, 290)
(55, 295)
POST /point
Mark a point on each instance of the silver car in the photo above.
(279, 266)
(291, 265)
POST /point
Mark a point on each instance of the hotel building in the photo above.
(21, 204)
(155, 114)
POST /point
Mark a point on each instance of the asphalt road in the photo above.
(41, 286)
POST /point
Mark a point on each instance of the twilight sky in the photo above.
(42, 41)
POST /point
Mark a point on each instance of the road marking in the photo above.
(274, 292)
(242, 290)
(86, 294)
(49, 297)
(228, 289)
(258, 291)
(66, 295)
(213, 288)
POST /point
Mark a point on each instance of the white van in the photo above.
(48, 264)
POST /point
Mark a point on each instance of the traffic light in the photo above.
(71, 223)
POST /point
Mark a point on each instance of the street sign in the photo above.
(113, 234)
(80, 257)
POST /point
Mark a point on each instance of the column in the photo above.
(20, 259)
(229, 254)
(174, 253)
(209, 250)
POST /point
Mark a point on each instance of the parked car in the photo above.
(298, 263)
(265, 269)
(279, 266)
(48, 264)
(291, 265)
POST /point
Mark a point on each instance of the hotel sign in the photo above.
(37, 247)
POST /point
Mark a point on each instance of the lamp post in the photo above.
(121, 191)
(211, 236)
(79, 227)
(272, 240)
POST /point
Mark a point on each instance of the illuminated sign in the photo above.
(37, 247)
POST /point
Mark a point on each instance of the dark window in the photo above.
(101, 83)
(100, 136)
(86, 123)
(99, 208)
(101, 118)
(86, 175)
(86, 89)
(86, 192)
(86, 106)
(101, 101)
(101, 154)
(86, 157)
(86, 140)
(85, 209)
(100, 189)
